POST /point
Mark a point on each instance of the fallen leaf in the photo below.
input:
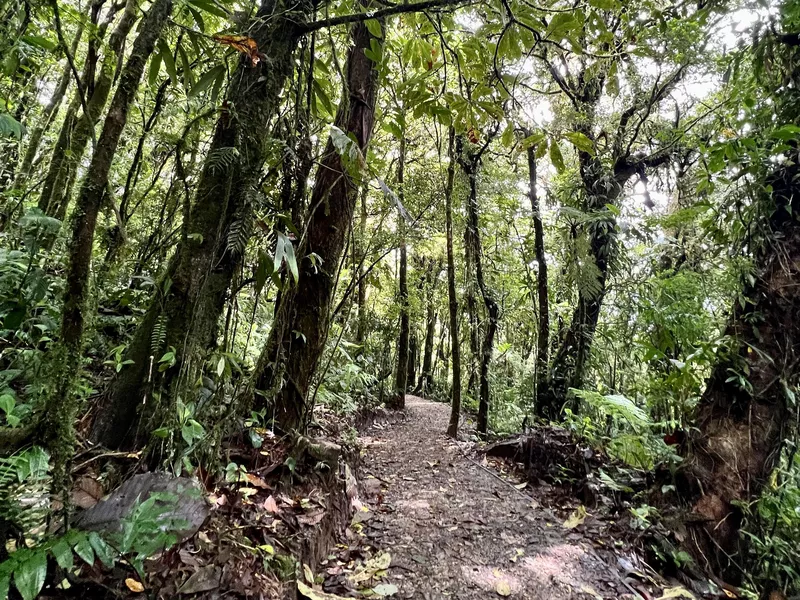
(87, 492)
(313, 594)
(521, 486)
(503, 589)
(311, 518)
(134, 585)
(308, 574)
(576, 518)
(256, 481)
(372, 568)
(587, 589)
(677, 592)
(204, 579)
(385, 589)
(271, 506)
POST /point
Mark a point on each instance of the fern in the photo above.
(616, 406)
(159, 335)
(222, 159)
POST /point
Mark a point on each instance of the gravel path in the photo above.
(456, 531)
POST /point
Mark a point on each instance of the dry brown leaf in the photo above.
(87, 492)
(271, 506)
(241, 43)
(256, 481)
(134, 585)
(312, 518)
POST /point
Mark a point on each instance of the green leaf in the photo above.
(206, 80)
(155, 67)
(7, 403)
(322, 96)
(40, 42)
(103, 551)
(30, 573)
(560, 25)
(169, 61)
(787, 132)
(556, 157)
(374, 28)
(62, 552)
(508, 136)
(161, 432)
(10, 126)
(186, 67)
(581, 142)
(209, 7)
(533, 140)
(84, 549)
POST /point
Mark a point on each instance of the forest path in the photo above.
(456, 531)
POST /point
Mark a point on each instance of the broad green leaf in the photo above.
(508, 136)
(7, 403)
(169, 61)
(40, 42)
(374, 27)
(103, 551)
(155, 67)
(556, 157)
(30, 573)
(206, 80)
(84, 549)
(533, 140)
(62, 552)
(580, 141)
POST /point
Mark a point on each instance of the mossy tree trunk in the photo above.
(398, 399)
(452, 298)
(60, 407)
(290, 357)
(470, 163)
(743, 416)
(186, 310)
(77, 131)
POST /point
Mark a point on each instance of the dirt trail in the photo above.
(456, 531)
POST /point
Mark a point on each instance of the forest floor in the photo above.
(455, 529)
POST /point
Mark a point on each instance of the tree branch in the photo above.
(378, 14)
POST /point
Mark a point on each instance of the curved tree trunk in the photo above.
(743, 414)
(289, 360)
(186, 310)
(76, 132)
(47, 116)
(60, 405)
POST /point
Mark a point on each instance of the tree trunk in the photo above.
(543, 326)
(60, 405)
(47, 116)
(361, 328)
(426, 374)
(743, 414)
(77, 131)
(191, 297)
(289, 360)
(413, 349)
(452, 299)
(470, 164)
(568, 366)
(398, 400)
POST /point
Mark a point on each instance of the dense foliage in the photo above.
(215, 213)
